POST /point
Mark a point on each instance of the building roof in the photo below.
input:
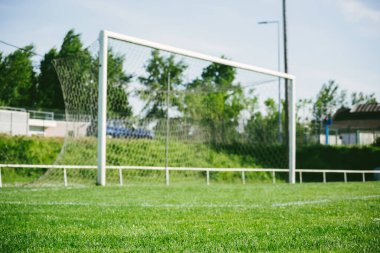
(359, 116)
(373, 107)
(359, 112)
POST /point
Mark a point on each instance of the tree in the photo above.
(361, 98)
(78, 73)
(49, 93)
(17, 78)
(329, 99)
(117, 97)
(303, 111)
(262, 127)
(72, 46)
(162, 72)
(216, 101)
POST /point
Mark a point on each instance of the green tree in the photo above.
(17, 78)
(117, 97)
(78, 72)
(329, 98)
(303, 112)
(161, 73)
(216, 101)
(49, 92)
(77, 81)
(361, 98)
(262, 127)
(73, 46)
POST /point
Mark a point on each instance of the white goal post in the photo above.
(102, 94)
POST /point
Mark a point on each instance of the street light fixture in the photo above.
(279, 80)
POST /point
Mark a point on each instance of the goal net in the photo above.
(143, 112)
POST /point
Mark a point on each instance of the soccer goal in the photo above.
(141, 111)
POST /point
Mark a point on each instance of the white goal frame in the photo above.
(102, 98)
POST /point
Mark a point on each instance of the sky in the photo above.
(327, 40)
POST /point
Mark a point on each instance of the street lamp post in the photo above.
(279, 80)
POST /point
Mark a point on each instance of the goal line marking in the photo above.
(189, 205)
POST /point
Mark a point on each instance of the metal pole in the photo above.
(102, 108)
(279, 85)
(279, 137)
(273, 177)
(345, 177)
(363, 176)
(167, 134)
(243, 176)
(292, 130)
(11, 132)
(64, 177)
(324, 177)
(300, 177)
(288, 138)
(207, 177)
(121, 177)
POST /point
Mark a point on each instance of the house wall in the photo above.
(333, 139)
(368, 137)
(358, 137)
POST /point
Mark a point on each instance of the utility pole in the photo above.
(279, 137)
(286, 71)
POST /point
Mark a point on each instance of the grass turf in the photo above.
(192, 217)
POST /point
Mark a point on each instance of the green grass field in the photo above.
(192, 217)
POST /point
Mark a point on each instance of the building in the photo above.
(359, 125)
(16, 121)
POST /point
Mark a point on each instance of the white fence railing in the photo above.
(273, 171)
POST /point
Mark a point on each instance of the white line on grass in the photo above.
(321, 201)
(190, 205)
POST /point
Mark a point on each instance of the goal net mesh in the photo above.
(168, 110)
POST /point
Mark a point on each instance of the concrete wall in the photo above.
(78, 129)
(18, 123)
(14, 122)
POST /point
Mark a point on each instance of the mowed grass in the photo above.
(192, 218)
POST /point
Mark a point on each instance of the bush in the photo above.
(42, 150)
(27, 150)
(338, 158)
(377, 142)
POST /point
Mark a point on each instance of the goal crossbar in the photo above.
(196, 55)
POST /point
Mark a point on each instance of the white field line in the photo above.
(190, 205)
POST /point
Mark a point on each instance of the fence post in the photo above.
(345, 177)
(121, 177)
(363, 176)
(102, 107)
(273, 177)
(324, 177)
(64, 177)
(208, 177)
(167, 177)
(243, 176)
(300, 177)
(1, 181)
